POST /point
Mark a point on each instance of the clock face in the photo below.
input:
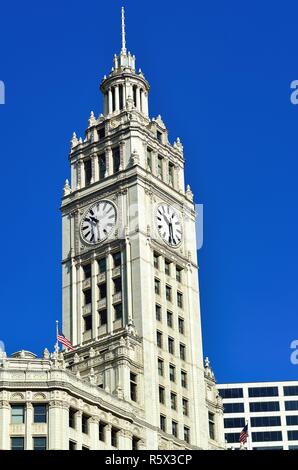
(168, 225)
(98, 222)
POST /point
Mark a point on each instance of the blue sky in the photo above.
(220, 76)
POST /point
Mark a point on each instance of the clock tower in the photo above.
(130, 273)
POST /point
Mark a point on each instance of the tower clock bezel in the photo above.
(100, 201)
(180, 221)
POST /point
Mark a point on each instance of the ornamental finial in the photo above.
(123, 49)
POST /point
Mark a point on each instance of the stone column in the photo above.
(154, 162)
(74, 312)
(94, 291)
(82, 174)
(79, 304)
(145, 110)
(93, 431)
(109, 161)
(125, 440)
(58, 426)
(110, 101)
(95, 169)
(4, 425)
(108, 430)
(128, 279)
(109, 292)
(79, 415)
(122, 155)
(117, 98)
(28, 426)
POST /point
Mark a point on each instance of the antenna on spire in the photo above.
(123, 50)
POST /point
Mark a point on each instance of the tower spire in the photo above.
(123, 49)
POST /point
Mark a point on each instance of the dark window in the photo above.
(118, 311)
(291, 405)
(88, 172)
(72, 445)
(183, 379)
(171, 174)
(102, 265)
(269, 448)
(175, 428)
(186, 433)
(182, 352)
(40, 413)
(170, 319)
(116, 159)
(88, 323)
(72, 418)
(171, 347)
(160, 367)
(167, 267)
(234, 422)
(102, 289)
(87, 271)
(293, 435)
(178, 274)
(149, 159)
(231, 392)
(162, 422)
(85, 448)
(232, 437)
(120, 96)
(291, 390)
(17, 443)
(156, 260)
(158, 312)
(159, 339)
(117, 259)
(17, 414)
(87, 296)
(233, 407)
(135, 443)
(102, 432)
(179, 300)
(101, 133)
(185, 406)
(172, 373)
(211, 420)
(103, 317)
(292, 420)
(133, 387)
(85, 424)
(173, 401)
(157, 286)
(159, 166)
(134, 92)
(102, 166)
(161, 393)
(181, 325)
(263, 392)
(261, 421)
(117, 285)
(159, 136)
(114, 437)
(264, 406)
(169, 293)
(266, 436)
(39, 443)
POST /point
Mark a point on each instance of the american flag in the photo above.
(63, 340)
(244, 434)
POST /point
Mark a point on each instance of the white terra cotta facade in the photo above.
(136, 378)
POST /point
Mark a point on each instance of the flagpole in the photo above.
(57, 331)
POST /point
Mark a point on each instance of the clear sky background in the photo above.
(220, 76)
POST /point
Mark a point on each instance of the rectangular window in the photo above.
(172, 373)
(173, 401)
(118, 311)
(169, 293)
(261, 421)
(102, 166)
(102, 431)
(159, 166)
(159, 339)
(102, 265)
(163, 423)
(211, 420)
(39, 443)
(87, 296)
(160, 367)
(88, 323)
(102, 291)
(234, 422)
(183, 379)
(291, 405)
(171, 174)
(264, 406)
(233, 407)
(161, 393)
(186, 434)
(156, 260)
(114, 437)
(72, 418)
(181, 325)
(17, 443)
(87, 271)
(185, 406)
(231, 392)
(149, 159)
(101, 133)
(157, 286)
(291, 390)
(158, 312)
(182, 352)
(85, 424)
(17, 414)
(117, 259)
(171, 347)
(133, 387)
(175, 428)
(263, 392)
(167, 267)
(178, 274)
(159, 136)
(293, 435)
(40, 413)
(72, 445)
(103, 317)
(266, 436)
(292, 420)
(135, 443)
(180, 299)
(232, 437)
(117, 285)
(88, 172)
(170, 319)
(116, 159)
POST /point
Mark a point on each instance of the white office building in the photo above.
(269, 408)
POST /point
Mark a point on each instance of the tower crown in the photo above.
(123, 88)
